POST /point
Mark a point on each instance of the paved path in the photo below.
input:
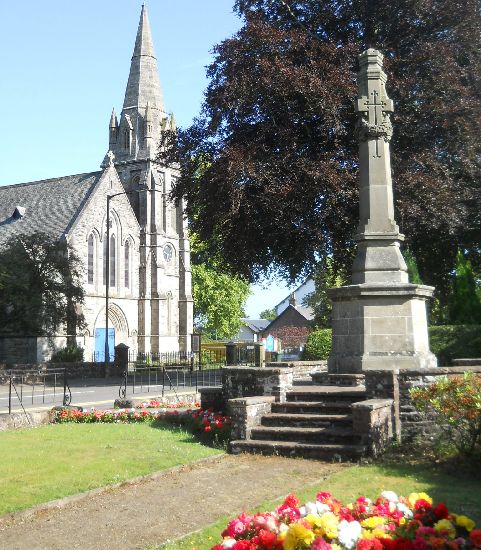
(165, 506)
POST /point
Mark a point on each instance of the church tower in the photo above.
(165, 303)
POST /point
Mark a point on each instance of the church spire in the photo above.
(143, 85)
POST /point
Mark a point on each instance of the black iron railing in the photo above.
(34, 387)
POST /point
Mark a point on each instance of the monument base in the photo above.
(379, 325)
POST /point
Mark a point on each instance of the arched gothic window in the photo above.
(112, 261)
(90, 261)
(127, 264)
(104, 279)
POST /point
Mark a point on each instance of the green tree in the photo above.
(465, 305)
(42, 287)
(412, 266)
(326, 275)
(219, 301)
(269, 314)
(279, 190)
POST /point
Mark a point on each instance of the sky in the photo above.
(65, 64)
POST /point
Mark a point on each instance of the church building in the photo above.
(149, 276)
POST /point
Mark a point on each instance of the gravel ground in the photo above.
(161, 507)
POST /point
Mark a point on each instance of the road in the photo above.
(98, 393)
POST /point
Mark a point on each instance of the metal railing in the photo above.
(160, 379)
(34, 387)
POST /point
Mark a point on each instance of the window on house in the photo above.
(112, 261)
(90, 266)
(127, 264)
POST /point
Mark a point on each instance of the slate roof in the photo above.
(51, 206)
(256, 325)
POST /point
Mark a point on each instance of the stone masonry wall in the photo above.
(396, 384)
(256, 381)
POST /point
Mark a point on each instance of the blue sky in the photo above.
(65, 64)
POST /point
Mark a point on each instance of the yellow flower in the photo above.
(298, 533)
(328, 525)
(467, 523)
(366, 534)
(446, 525)
(372, 522)
(378, 533)
(313, 520)
(335, 547)
(413, 497)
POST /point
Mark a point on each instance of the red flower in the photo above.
(441, 511)
(323, 497)
(267, 538)
(475, 537)
(207, 428)
(372, 544)
(292, 501)
(403, 544)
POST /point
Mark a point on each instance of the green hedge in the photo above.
(318, 345)
(447, 342)
(455, 341)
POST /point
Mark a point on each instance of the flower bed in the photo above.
(106, 416)
(390, 522)
(210, 427)
(156, 404)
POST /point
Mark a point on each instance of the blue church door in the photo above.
(100, 344)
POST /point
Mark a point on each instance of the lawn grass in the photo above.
(462, 494)
(50, 462)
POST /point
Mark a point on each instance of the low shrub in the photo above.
(456, 406)
(70, 354)
(318, 345)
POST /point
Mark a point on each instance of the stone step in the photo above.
(306, 420)
(312, 407)
(330, 379)
(326, 393)
(304, 435)
(333, 452)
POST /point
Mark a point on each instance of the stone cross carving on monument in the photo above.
(379, 321)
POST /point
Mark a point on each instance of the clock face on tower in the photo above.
(168, 253)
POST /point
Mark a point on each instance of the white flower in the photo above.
(302, 511)
(322, 508)
(348, 533)
(229, 543)
(311, 508)
(404, 509)
(390, 495)
(283, 527)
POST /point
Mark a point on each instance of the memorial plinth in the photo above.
(379, 321)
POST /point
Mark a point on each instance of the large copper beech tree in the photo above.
(269, 168)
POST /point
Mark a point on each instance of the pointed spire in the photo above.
(113, 120)
(144, 85)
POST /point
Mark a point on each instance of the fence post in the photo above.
(66, 398)
(259, 354)
(10, 395)
(231, 354)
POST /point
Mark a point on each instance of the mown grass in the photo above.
(461, 493)
(51, 462)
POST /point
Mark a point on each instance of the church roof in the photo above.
(48, 206)
(143, 85)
